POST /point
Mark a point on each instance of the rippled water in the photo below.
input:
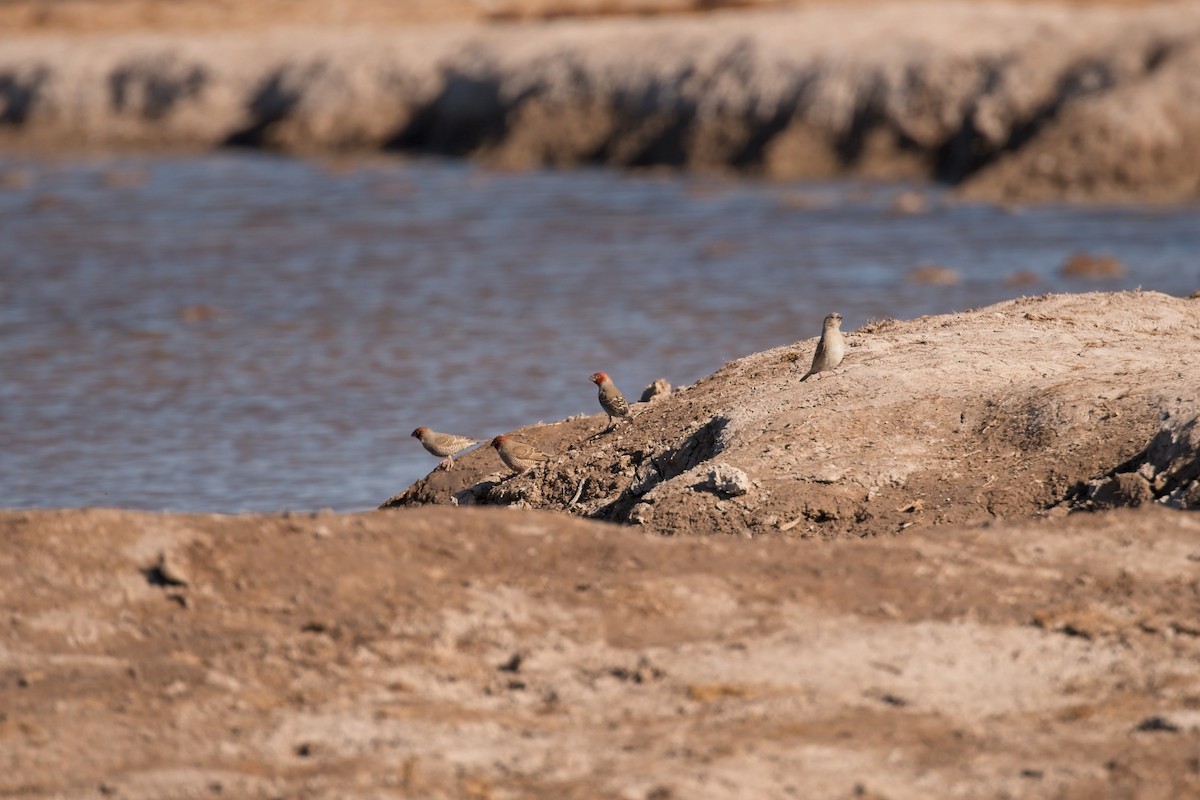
(249, 332)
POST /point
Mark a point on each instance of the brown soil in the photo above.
(503, 653)
(486, 653)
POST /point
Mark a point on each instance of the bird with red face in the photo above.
(611, 399)
(443, 445)
(518, 456)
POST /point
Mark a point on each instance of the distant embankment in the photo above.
(1007, 102)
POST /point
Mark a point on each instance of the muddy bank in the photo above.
(1009, 102)
(1032, 406)
(962, 564)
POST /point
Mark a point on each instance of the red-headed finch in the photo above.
(443, 445)
(830, 349)
(518, 456)
(611, 399)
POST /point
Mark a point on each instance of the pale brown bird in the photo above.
(611, 399)
(518, 456)
(443, 445)
(830, 350)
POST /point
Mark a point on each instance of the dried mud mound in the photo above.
(1032, 406)
(1013, 102)
(485, 653)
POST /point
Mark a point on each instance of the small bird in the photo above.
(611, 399)
(443, 445)
(830, 349)
(518, 456)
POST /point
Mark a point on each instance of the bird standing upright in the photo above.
(611, 399)
(830, 349)
(518, 456)
(443, 445)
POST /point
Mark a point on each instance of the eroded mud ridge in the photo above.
(1010, 102)
(1032, 406)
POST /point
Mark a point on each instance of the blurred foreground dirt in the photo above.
(508, 654)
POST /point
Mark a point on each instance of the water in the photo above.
(240, 332)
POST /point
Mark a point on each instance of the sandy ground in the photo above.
(489, 653)
(1008, 101)
(944, 616)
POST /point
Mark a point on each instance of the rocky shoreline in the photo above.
(1007, 102)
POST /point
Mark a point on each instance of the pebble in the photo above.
(728, 480)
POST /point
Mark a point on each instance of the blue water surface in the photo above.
(250, 332)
